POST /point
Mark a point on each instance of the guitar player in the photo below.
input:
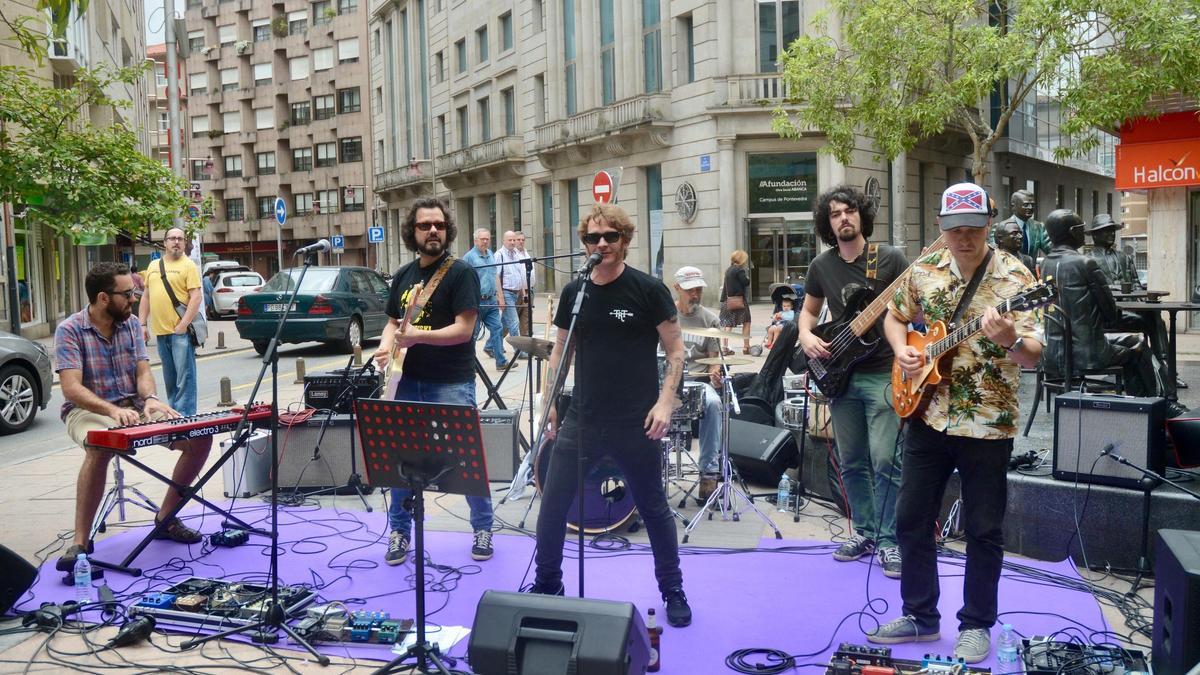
(968, 424)
(864, 424)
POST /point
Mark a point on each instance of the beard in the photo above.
(119, 315)
(432, 247)
(847, 233)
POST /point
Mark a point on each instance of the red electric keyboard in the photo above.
(165, 432)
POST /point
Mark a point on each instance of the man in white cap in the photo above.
(689, 287)
(969, 423)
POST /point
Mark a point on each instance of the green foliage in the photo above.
(29, 30)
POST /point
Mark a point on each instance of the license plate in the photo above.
(277, 307)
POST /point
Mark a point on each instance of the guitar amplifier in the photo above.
(1085, 425)
(330, 469)
(500, 447)
(321, 391)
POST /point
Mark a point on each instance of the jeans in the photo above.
(866, 427)
(178, 358)
(489, 318)
(929, 459)
(710, 430)
(639, 459)
(411, 389)
(511, 323)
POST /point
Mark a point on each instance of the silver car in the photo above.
(25, 381)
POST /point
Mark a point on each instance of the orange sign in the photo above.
(1155, 165)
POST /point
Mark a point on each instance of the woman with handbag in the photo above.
(735, 309)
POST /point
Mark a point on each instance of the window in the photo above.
(199, 125)
(322, 12)
(510, 111)
(297, 22)
(1095, 203)
(485, 120)
(608, 57)
(651, 46)
(200, 169)
(298, 68)
(227, 35)
(442, 133)
(233, 166)
(689, 48)
(326, 201)
(506, 31)
(481, 43)
(350, 149)
(1079, 200)
(539, 15)
(771, 34)
(322, 59)
(439, 65)
(198, 83)
(301, 159)
(568, 7)
(301, 113)
(235, 209)
(347, 6)
(231, 122)
(266, 207)
(463, 120)
(303, 203)
(352, 199)
(347, 50)
(539, 99)
(262, 73)
(229, 79)
(323, 107)
(164, 123)
(376, 43)
(460, 52)
(326, 154)
(195, 40)
(262, 29)
(349, 100)
(1059, 197)
(265, 162)
(264, 118)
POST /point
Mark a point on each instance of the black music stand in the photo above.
(422, 446)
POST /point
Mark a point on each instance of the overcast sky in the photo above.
(154, 19)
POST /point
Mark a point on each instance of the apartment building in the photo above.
(509, 108)
(276, 94)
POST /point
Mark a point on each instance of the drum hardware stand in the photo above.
(722, 497)
(806, 393)
(346, 390)
(115, 499)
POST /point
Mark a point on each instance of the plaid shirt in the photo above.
(109, 366)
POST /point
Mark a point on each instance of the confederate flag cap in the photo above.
(964, 205)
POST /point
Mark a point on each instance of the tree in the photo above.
(907, 70)
(74, 176)
(32, 39)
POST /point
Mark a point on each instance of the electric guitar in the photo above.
(847, 335)
(396, 363)
(909, 393)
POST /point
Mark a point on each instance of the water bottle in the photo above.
(83, 579)
(1006, 648)
(785, 493)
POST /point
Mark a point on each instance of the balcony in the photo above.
(752, 91)
(209, 11)
(414, 176)
(495, 160)
(619, 127)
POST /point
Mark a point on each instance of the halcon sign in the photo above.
(1154, 165)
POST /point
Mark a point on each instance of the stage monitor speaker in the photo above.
(500, 447)
(531, 634)
(1185, 439)
(1085, 425)
(760, 452)
(1176, 637)
(17, 575)
(298, 470)
(322, 390)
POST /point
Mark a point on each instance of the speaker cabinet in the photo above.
(17, 575)
(529, 634)
(1176, 638)
(1085, 425)
(500, 447)
(760, 452)
(298, 469)
(1185, 438)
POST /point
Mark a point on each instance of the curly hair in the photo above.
(408, 229)
(850, 196)
(611, 214)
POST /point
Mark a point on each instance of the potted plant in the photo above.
(280, 26)
(207, 49)
(213, 133)
(242, 46)
(329, 14)
(284, 125)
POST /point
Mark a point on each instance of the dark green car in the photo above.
(336, 305)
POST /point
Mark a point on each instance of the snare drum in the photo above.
(790, 412)
(793, 385)
(691, 402)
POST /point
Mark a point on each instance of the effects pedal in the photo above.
(229, 538)
(157, 600)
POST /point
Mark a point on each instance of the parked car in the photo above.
(25, 381)
(229, 287)
(214, 266)
(336, 305)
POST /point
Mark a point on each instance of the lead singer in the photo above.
(618, 407)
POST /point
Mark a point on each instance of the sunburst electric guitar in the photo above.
(909, 393)
(396, 363)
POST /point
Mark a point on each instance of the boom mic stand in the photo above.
(346, 390)
(272, 619)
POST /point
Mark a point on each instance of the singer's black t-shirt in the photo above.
(616, 373)
(458, 292)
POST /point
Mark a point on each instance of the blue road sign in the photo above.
(339, 243)
(375, 235)
(155, 255)
(706, 162)
(280, 210)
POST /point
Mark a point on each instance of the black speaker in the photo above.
(17, 575)
(1185, 439)
(530, 634)
(1085, 425)
(500, 448)
(298, 470)
(760, 452)
(321, 391)
(1176, 638)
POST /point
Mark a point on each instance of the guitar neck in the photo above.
(963, 333)
(867, 318)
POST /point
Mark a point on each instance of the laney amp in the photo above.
(322, 391)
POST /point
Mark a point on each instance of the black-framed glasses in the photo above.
(593, 238)
(425, 227)
(129, 294)
(176, 238)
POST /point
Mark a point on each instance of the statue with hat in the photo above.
(1117, 266)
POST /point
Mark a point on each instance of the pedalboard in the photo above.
(362, 627)
(214, 603)
(853, 659)
(1043, 656)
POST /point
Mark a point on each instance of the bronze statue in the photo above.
(1023, 206)
(1118, 266)
(1008, 237)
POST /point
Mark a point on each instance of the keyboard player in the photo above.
(105, 376)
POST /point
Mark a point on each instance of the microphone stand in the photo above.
(346, 389)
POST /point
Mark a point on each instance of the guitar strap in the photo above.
(873, 267)
(427, 292)
(965, 300)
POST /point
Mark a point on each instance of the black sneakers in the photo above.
(889, 560)
(856, 547)
(481, 548)
(397, 551)
(679, 614)
(545, 589)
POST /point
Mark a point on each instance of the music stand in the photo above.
(422, 446)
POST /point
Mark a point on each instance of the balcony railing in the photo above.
(420, 171)
(505, 148)
(755, 89)
(600, 121)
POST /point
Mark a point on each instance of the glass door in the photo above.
(780, 252)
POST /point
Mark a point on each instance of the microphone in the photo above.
(1108, 449)
(592, 261)
(133, 632)
(322, 246)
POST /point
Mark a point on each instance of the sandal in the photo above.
(176, 531)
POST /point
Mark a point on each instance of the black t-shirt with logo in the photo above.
(458, 292)
(616, 371)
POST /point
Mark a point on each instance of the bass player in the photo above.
(864, 424)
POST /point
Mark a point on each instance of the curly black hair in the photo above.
(408, 228)
(850, 196)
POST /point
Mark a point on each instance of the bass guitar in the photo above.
(849, 335)
(396, 362)
(909, 393)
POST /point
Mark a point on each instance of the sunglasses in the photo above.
(425, 227)
(593, 238)
(129, 294)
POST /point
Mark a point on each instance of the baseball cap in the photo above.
(964, 205)
(689, 277)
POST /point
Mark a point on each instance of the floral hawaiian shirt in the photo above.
(979, 399)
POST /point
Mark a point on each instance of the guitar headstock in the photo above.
(1042, 293)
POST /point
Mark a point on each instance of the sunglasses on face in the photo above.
(129, 294)
(593, 238)
(425, 227)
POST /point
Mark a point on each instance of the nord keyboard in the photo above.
(165, 432)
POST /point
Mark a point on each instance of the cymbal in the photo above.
(708, 332)
(536, 346)
(729, 361)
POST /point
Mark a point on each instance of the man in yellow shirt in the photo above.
(160, 317)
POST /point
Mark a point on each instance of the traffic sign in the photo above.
(602, 187)
(155, 255)
(375, 235)
(280, 210)
(193, 211)
(339, 243)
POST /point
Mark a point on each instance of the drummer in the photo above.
(689, 287)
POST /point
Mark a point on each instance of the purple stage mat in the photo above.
(787, 595)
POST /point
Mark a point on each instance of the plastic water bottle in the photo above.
(83, 579)
(785, 493)
(1007, 648)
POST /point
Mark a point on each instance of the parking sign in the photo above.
(339, 243)
(375, 235)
